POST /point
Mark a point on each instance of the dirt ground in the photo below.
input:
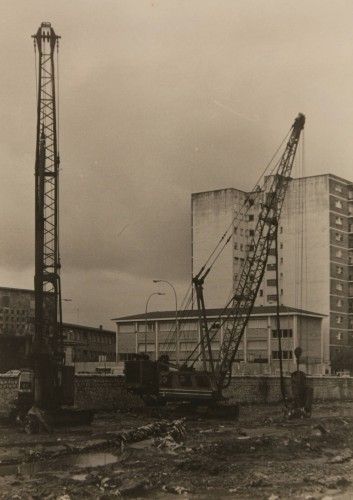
(260, 456)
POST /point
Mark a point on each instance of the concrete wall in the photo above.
(212, 213)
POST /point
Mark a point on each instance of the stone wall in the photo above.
(103, 392)
(108, 392)
(267, 389)
(8, 393)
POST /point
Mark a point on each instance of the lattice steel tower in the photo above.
(48, 352)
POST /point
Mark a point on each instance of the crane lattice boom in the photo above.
(254, 265)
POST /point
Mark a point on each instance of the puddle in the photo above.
(84, 460)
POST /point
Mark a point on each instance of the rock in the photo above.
(134, 487)
(178, 490)
(334, 481)
(321, 429)
(259, 479)
(344, 456)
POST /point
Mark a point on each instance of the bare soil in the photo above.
(260, 456)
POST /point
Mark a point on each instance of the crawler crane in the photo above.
(186, 383)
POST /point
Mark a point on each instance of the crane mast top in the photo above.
(243, 299)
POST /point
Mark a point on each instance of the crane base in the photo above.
(38, 420)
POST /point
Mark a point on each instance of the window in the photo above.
(338, 221)
(148, 347)
(284, 333)
(235, 230)
(339, 319)
(339, 269)
(285, 355)
(339, 303)
(251, 232)
(281, 230)
(241, 232)
(338, 188)
(251, 217)
(339, 254)
(281, 291)
(271, 267)
(339, 287)
(261, 293)
(339, 237)
(281, 245)
(271, 282)
(271, 298)
(339, 335)
(338, 204)
(281, 260)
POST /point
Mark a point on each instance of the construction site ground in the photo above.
(262, 455)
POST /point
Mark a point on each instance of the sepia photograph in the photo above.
(176, 249)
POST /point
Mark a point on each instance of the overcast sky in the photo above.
(159, 99)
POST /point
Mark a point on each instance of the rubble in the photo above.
(284, 460)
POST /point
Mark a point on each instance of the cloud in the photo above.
(159, 100)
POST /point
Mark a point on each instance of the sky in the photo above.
(159, 99)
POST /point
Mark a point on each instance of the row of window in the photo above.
(98, 338)
(242, 247)
(85, 355)
(285, 354)
(283, 333)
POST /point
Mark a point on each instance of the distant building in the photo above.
(82, 344)
(154, 333)
(315, 251)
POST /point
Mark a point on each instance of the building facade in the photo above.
(315, 250)
(81, 343)
(258, 352)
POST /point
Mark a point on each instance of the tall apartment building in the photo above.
(315, 245)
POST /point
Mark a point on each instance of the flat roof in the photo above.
(91, 328)
(216, 312)
(345, 181)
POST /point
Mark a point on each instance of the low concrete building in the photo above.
(154, 333)
(90, 348)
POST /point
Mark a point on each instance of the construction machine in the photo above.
(163, 381)
(45, 396)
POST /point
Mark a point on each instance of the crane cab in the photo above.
(187, 385)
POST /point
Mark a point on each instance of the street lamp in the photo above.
(147, 301)
(77, 308)
(176, 317)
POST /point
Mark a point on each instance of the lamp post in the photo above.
(176, 317)
(147, 301)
